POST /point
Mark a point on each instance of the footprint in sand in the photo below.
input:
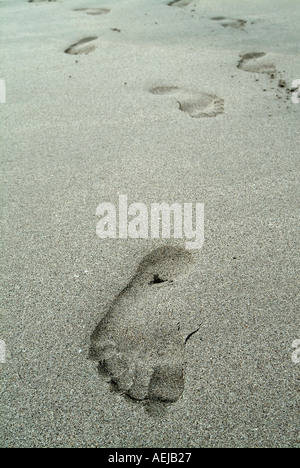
(197, 105)
(256, 62)
(230, 23)
(163, 90)
(82, 47)
(93, 11)
(203, 105)
(139, 343)
(179, 3)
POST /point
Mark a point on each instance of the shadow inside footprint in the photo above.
(82, 47)
(138, 343)
(256, 62)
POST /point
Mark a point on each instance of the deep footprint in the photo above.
(139, 343)
(256, 62)
(82, 47)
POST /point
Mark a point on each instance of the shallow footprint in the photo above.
(179, 3)
(202, 105)
(230, 23)
(163, 89)
(93, 11)
(197, 104)
(82, 47)
(139, 343)
(256, 62)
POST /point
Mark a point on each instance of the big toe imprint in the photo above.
(139, 343)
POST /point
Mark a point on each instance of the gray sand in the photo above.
(164, 105)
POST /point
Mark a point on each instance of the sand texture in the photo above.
(142, 342)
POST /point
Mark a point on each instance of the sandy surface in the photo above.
(78, 130)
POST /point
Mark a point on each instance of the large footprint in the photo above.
(140, 343)
(197, 105)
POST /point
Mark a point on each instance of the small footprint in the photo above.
(256, 62)
(203, 105)
(179, 3)
(82, 47)
(93, 11)
(197, 105)
(230, 23)
(139, 343)
(163, 89)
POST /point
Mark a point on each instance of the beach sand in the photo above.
(188, 103)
